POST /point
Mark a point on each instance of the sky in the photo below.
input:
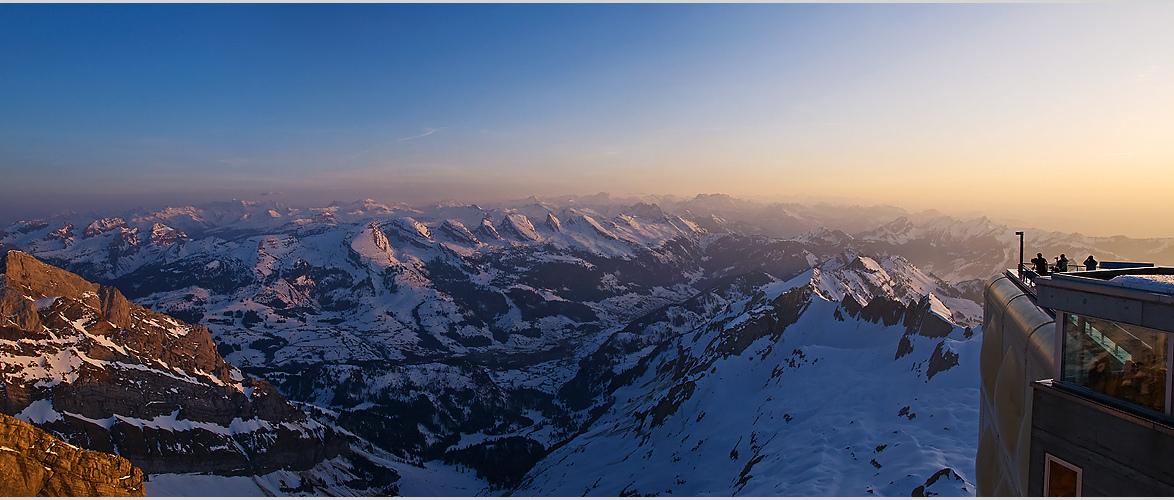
(1060, 116)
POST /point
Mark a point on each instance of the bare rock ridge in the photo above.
(34, 463)
(103, 373)
(25, 275)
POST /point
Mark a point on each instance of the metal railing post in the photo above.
(1020, 234)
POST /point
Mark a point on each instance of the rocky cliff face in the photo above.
(33, 463)
(82, 362)
(147, 334)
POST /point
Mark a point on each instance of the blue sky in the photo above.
(920, 106)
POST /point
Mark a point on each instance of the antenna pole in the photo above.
(1020, 268)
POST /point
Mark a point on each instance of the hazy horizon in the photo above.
(1011, 220)
(1058, 116)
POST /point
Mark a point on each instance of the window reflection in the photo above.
(1124, 361)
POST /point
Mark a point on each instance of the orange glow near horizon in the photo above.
(1059, 116)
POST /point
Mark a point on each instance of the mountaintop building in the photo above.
(1075, 384)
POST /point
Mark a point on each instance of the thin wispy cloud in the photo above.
(429, 132)
(347, 159)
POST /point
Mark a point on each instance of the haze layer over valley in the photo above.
(576, 345)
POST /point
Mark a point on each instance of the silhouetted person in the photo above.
(1098, 375)
(1062, 264)
(1129, 389)
(1090, 263)
(1146, 380)
(1041, 264)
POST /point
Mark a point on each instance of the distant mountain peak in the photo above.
(518, 226)
(553, 223)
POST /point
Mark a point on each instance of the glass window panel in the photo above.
(1063, 479)
(1121, 360)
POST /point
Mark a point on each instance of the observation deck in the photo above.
(1076, 383)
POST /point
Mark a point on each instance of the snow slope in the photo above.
(785, 394)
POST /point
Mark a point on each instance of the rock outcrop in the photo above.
(34, 463)
(85, 364)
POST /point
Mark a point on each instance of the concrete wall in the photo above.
(1017, 348)
(1120, 454)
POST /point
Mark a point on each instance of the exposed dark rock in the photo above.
(904, 346)
(783, 312)
(884, 310)
(920, 320)
(944, 474)
(34, 463)
(850, 305)
(63, 233)
(941, 360)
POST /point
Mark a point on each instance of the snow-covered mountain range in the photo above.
(82, 362)
(547, 346)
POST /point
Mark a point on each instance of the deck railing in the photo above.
(1027, 274)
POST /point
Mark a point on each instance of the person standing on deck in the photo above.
(1041, 264)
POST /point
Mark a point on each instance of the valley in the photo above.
(706, 346)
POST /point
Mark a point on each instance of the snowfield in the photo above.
(823, 410)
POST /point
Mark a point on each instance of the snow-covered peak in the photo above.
(553, 223)
(104, 225)
(414, 228)
(650, 212)
(823, 236)
(864, 278)
(188, 212)
(940, 228)
(162, 235)
(486, 231)
(64, 233)
(519, 227)
(456, 231)
(891, 231)
(685, 226)
(372, 244)
(593, 224)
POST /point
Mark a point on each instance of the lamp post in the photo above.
(1019, 269)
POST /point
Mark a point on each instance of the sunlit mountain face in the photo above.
(707, 346)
